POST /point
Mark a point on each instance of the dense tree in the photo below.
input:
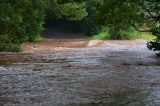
(20, 21)
(119, 13)
(152, 12)
(90, 23)
(73, 10)
(120, 16)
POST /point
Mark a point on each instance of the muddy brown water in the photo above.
(88, 73)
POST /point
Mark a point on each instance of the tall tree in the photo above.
(119, 15)
(152, 12)
(20, 20)
(90, 23)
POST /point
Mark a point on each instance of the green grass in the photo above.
(147, 36)
(102, 36)
(142, 35)
(38, 39)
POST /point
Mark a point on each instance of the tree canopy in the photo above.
(73, 10)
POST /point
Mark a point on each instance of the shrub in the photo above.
(7, 45)
(71, 10)
(20, 21)
(103, 34)
(111, 33)
(128, 33)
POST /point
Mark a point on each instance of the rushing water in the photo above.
(107, 75)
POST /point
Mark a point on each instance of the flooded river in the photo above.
(80, 73)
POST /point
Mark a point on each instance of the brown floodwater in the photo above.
(80, 72)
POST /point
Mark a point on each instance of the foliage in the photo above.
(72, 10)
(90, 23)
(103, 34)
(120, 16)
(20, 21)
(129, 33)
(7, 45)
(109, 33)
(152, 12)
(118, 13)
(148, 36)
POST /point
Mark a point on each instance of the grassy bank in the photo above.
(147, 36)
(141, 35)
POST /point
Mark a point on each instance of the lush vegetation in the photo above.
(148, 36)
(23, 20)
(152, 10)
(20, 21)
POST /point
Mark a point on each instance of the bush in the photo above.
(7, 45)
(125, 34)
(103, 34)
(71, 10)
(37, 38)
(111, 33)
(20, 21)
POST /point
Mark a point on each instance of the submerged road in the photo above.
(80, 73)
